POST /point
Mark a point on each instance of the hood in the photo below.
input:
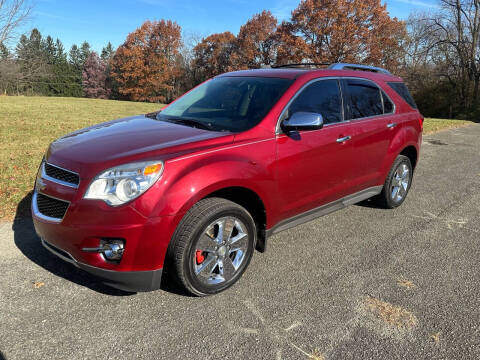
(127, 138)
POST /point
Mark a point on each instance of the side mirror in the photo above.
(303, 121)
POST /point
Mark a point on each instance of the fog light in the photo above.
(112, 249)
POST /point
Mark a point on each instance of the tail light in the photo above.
(421, 119)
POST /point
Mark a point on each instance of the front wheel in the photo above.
(212, 246)
(397, 183)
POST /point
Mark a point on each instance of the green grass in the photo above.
(434, 125)
(29, 124)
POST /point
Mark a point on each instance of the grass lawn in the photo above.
(434, 125)
(29, 124)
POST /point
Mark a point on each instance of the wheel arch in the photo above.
(411, 152)
(252, 202)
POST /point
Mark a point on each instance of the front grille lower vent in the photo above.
(61, 174)
(51, 207)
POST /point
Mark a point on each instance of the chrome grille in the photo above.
(51, 207)
(61, 174)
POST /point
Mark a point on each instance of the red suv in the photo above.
(196, 187)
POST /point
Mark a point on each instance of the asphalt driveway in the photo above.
(363, 283)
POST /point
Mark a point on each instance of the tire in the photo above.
(396, 178)
(205, 259)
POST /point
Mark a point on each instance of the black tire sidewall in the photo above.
(388, 198)
(192, 283)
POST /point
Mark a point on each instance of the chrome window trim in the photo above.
(278, 130)
(61, 182)
(39, 215)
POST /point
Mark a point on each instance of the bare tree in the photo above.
(13, 13)
(451, 41)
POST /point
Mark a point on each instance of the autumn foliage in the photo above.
(213, 55)
(149, 67)
(146, 67)
(330, 31)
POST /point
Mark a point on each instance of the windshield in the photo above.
(227, 103)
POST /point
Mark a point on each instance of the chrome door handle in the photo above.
(343, 139)
(391, 125)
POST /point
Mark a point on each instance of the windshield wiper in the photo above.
(189, 122)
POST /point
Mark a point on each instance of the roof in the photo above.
(295, 73)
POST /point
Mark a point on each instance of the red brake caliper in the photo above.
(199, 257)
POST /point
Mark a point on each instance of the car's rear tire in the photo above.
(397, 183)
(212, 246)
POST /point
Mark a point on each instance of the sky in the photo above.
(101, 21)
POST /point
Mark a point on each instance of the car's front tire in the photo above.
(397, 183)
(212, 246)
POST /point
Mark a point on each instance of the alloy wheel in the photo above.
(400, 182)
(220, 251)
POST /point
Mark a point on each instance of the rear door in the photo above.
(372, 115)
(315, 167)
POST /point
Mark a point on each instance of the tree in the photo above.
(4, 52)
(256, 41)
(13, 13)
(60, 55)
(50, 50)
(213, 55)
(107, 52)
(84, 52)
(75, 58)
(343, 31)
(145, 67)
(94, 77)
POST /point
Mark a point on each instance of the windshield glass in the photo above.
(227, 103)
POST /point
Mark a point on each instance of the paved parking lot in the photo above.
(363, 283)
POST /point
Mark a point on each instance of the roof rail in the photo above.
(297, 65)
(344, 66)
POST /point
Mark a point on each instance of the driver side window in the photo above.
(322, 97)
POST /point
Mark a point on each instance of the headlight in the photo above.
(123, 183)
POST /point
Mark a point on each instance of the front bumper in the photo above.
(133, 281)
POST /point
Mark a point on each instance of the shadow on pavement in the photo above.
(29, 244)
(2, 357)
(369, 203)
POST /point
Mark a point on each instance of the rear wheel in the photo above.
(397, 183)
(213, 245)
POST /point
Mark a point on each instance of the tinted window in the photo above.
(322, 97)
(387, 104)
(364, 99)
(401, 89)
(227, 103)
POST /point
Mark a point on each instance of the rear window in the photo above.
(401, 89)
(365, 99)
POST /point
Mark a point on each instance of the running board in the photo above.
(324, 210)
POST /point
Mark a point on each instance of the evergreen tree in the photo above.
(60, 55)
(36, 45)
(4, 52)
(75, 58)
(22, 48)
(50, 50)
(107, 52)
(84, 52)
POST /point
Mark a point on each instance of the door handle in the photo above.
(343, 139)
(391, 125)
